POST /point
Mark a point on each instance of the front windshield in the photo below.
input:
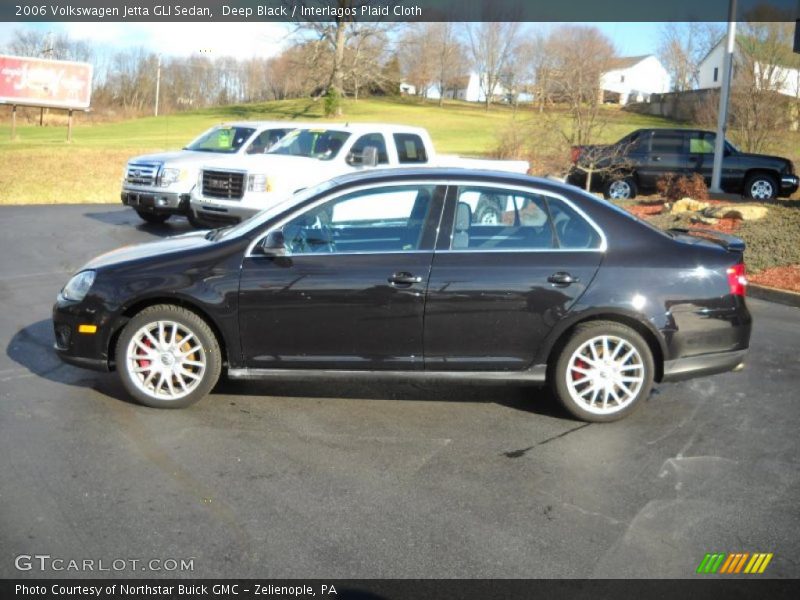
(323, 144)
(222, 139)
(270, 213)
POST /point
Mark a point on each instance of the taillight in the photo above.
(737, 281)
(575, 153)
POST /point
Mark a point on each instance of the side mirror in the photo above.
(369, 158)
(274, 244)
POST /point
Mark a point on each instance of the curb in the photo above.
(773, 295)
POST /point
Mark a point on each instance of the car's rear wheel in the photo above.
(623, 188)
(168, 357)
(603, 372)
(149, 217)
(761, 186)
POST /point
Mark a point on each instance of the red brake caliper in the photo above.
(145, 363)
(581, 365)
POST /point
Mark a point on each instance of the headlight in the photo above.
(258, 182)
(77, 287)
(170, 176)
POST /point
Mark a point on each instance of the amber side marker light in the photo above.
(87, 328)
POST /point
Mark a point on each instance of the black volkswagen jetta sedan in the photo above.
(389, 274)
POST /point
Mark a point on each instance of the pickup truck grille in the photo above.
(142, 173)
(223, 184)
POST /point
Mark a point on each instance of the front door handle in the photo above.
(404, 279)
(562, 279)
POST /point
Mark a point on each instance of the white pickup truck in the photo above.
(159, 185)
(232, 189)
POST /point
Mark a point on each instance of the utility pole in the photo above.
(47, 52)
(158, 84)
(724, 94)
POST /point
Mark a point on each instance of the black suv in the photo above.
(636, 162)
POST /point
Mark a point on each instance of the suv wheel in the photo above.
(488, 211)
(603, 372)
(168, 357)
(620, 189)
(761, 187)
(154, 218)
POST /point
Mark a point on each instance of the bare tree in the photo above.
(491, 46)
(579, 57)
(416, 51)
(449, 56)
(683, 47)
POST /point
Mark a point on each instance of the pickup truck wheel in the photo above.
(195, 222)
(761, 187)
(620, 189)
(603, 372)
(488, 211)
(154, 218)
(168, 357)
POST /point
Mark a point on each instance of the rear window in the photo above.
(410, 148)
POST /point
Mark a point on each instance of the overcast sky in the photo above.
(245, 40)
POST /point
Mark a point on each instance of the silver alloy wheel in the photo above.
(605, 374)
(761, 189)
(619, 190)
(165, 360)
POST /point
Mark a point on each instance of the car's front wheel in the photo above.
(761, 187)
(168, 357)
(603, 371)
(154, 218)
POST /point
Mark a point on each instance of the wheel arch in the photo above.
(772, 173)
(135, 308)
(559, 337)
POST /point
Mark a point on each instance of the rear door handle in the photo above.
(404, 278)
(562, 278)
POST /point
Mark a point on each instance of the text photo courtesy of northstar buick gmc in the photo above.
(389, 274)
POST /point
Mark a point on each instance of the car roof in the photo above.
(447, 173)
(266, 124)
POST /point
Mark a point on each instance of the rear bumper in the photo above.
(159, 202)
(704, 364)
(789, 185)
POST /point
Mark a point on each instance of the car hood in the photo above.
(762, 157)
(174, 158)
(170, 245)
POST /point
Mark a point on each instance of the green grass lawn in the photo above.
(40, 167)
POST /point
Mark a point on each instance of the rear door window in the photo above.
(410, 148)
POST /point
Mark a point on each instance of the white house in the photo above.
(467, 87)
(785, 80)
(634, 78)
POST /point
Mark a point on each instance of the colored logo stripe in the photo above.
(734, 563)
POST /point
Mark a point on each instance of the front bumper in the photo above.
(156, 201)
(89, 351)
(789, 184)
(216, 212)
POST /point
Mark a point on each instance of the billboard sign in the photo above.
(43, 82)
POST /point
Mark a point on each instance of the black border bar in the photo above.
(395, 10)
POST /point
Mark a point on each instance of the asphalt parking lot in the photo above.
(391, 479)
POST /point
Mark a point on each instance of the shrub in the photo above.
(535, 141)
(333, 103)
(673, 187)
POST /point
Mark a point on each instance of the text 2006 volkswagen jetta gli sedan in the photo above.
(389, 273)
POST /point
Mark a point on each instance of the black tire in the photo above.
(620, 188)
(194, 221)
(209, 354)
(154, 218)
(562, 377)
(761, 187)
